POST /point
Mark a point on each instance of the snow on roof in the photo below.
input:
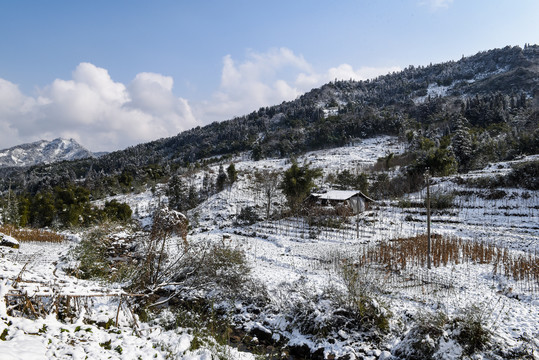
(337, 195)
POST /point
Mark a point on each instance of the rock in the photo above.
(318, 354)
(8, 241)
(235, 339)
(264, 335)
(304, 352)
(300, 351)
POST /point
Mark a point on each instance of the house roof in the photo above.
(340, 195)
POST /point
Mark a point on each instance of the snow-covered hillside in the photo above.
(43, 152)
(299, 264)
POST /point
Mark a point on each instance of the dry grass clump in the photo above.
(402, 253)
(26, 235)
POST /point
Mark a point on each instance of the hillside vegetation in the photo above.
(469, 112)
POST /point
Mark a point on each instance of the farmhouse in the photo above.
(355, 200)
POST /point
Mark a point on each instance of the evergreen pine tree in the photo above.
(232, 173)
(207, 187)
(221, 179)
(462, 143)
(177, 194)
(297, 183)
(10, 213)
(192, 197)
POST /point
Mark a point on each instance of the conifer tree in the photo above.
(232, 173)
(221, 179)
(297, 183)
(462, 144)
(177, 193)
(10, 213)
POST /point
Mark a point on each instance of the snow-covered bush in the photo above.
(362, 284)
(324, 316)
(104, 252)
(91, 253)
(471, 330)
(222, 270)
(525, 175)
(8, 241)
(349, 309)
(441, 200)
(248, 215)
(202, 293)
(423, 339)
(204, 270)
(437, 336)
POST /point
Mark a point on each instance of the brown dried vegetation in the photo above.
(26, 234)
(402, 253)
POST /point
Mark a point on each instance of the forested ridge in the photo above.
(481, 108)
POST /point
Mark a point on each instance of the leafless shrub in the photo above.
(160, 243)
(171, 270)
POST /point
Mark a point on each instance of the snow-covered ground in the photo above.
(87, 335)
(290, 258)
(356, 156)
(433, 90)
(284, 251)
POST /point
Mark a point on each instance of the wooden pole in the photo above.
(428, 220)
(118, 312)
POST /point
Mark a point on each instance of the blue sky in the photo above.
(116, 73)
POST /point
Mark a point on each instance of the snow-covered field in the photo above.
(290, 259)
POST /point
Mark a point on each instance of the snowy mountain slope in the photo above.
(297, 263)
(496, 86)
(285, 253)
(43, 152)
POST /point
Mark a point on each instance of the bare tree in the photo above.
(268, 181)
(166, 223)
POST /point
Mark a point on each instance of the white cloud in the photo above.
(99, 81)
(12, 100)
(346, 72)
(152, 94)
(95, 110)
(14, 109)
(262, 79)
(436, 4)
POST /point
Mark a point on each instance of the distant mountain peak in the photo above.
(43, 152)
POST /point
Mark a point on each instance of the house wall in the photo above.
(358, 204)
